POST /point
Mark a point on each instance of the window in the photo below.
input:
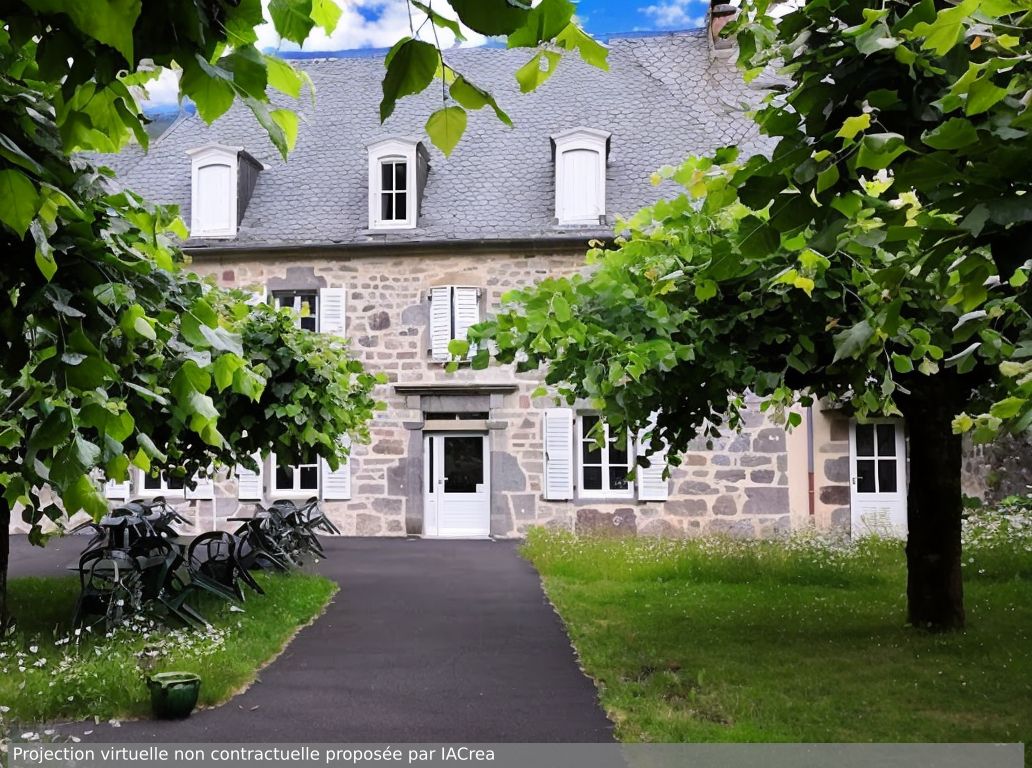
(603, 468)
(222, 180)
(304, 303)
(294, 479)
(397, 173)
(161, 485)
(453, 309)
(876, 460)
(580, 176)
(393, 191)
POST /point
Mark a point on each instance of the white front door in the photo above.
(456, 485)
(878, 477)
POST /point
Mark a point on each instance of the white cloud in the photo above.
(680, 14)
(363, 24)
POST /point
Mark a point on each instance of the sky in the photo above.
(380, 23)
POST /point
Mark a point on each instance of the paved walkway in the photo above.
(427, 640)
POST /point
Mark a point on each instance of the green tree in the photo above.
(878, 257)
(114, 355)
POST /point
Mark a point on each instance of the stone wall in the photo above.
(739, 487)
(999, 469)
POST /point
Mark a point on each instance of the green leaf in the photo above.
(143, 327)
(19, 201)
(537, 70)
(947, 29)
(445, 127)
(827, 178)
(1008, 407)
(878, 150)
(491, 17)
(282, 76)
(83, 494)
(458, 348)
(441, 21)
(851, 126)
(108, 21)
(982, 95)
(286, 119)
(410, 69)
(472, 97)
(544, 22)
(326, 14)
(292, 19)
(902, 363)
(574, 38)
(213, 95)
(561, 309)
(952, 134)
(850, 342)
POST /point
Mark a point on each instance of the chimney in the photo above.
(720, 14)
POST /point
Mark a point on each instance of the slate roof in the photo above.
(664, 97)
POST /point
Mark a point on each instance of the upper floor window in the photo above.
(222, 180)
(453, 309)
(397, 173)
(580, 176)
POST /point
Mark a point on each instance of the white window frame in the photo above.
(294, 492)
(605, 492)
(393, 150)
(592, 140)
(202, 157)
(143, 492)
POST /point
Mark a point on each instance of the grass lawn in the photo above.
(715, 640)
(48, 673)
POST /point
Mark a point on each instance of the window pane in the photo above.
(463, 464)
(309, 477)
(618, 450)
(887, 476)
(387, 206)
(430, 465)
(865, 476)
(886, 439)
(592, 478)
(591, 454)
(175, 483)
(618, 478)
(152, 483)
(386, 177)
(284, 477)
(400, 206)
(865, 439)
(587, 423)
(400, 179)
(308, 323)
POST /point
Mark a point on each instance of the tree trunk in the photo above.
(5, 551)
(935, 587)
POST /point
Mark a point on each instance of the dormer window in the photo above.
(397, 173)
(222, 180)
(580, 176)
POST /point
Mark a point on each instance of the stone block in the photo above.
(524, 505)
(592, 522)
(837, 470)
(770, 440)
(725, 505)
(730, 475)
(660, 529)
(762, 476)
(368, 525)
(841, 520)
(506, 474)
(766, 501)
(696, 488)
(686, 507)
(739, 444)
(721, 460)
(388, 506)
(388, 447)
(754, 460)
(695, 460)
(415, 314)
(736, 528)
(379, 321)
(834, 494)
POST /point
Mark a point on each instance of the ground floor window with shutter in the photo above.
(294, 479)
(605, 460)
(160, 485)
(305, 303)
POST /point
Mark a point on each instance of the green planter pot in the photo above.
(173, 694)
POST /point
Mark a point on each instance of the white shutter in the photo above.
(558, 440)
(652, 486)
(332, 316)
(249, 484)
(204, 491)
(113, 490)
(336, 485)
(467, 312)
(261, 296)
(440, 321)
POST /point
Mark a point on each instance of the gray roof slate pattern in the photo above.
(663, 98)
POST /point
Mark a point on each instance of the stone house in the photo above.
(372, 234)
